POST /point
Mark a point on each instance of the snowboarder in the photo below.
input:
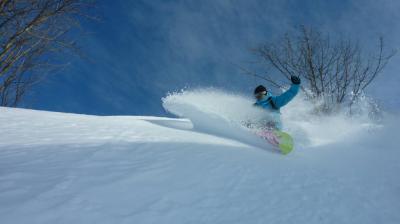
(273, 104)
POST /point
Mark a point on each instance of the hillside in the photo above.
(69, 168)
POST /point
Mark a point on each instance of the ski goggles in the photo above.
(260, 94)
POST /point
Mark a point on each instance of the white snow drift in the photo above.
(68, 168)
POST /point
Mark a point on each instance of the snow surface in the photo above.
(69, 168)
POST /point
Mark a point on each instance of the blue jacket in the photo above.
(274, 103)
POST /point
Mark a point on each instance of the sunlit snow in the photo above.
(201, 168)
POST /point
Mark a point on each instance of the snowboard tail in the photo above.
(282, 140)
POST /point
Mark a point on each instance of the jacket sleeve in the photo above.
(286, 97)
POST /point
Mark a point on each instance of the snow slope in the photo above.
(69, 168)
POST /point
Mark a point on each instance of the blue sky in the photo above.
(143, 49)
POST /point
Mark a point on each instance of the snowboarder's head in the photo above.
(260, 91)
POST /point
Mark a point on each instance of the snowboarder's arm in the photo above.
(287, 96)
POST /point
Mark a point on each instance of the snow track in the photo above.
(66, 168)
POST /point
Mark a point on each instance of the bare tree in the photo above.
(335, 72)
(32, 33)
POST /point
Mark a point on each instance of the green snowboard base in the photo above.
(285, 142)
(282, 140)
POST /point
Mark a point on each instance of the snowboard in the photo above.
(281, 140)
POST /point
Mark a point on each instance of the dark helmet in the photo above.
(260, 89)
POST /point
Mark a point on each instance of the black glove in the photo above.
(295, 80)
